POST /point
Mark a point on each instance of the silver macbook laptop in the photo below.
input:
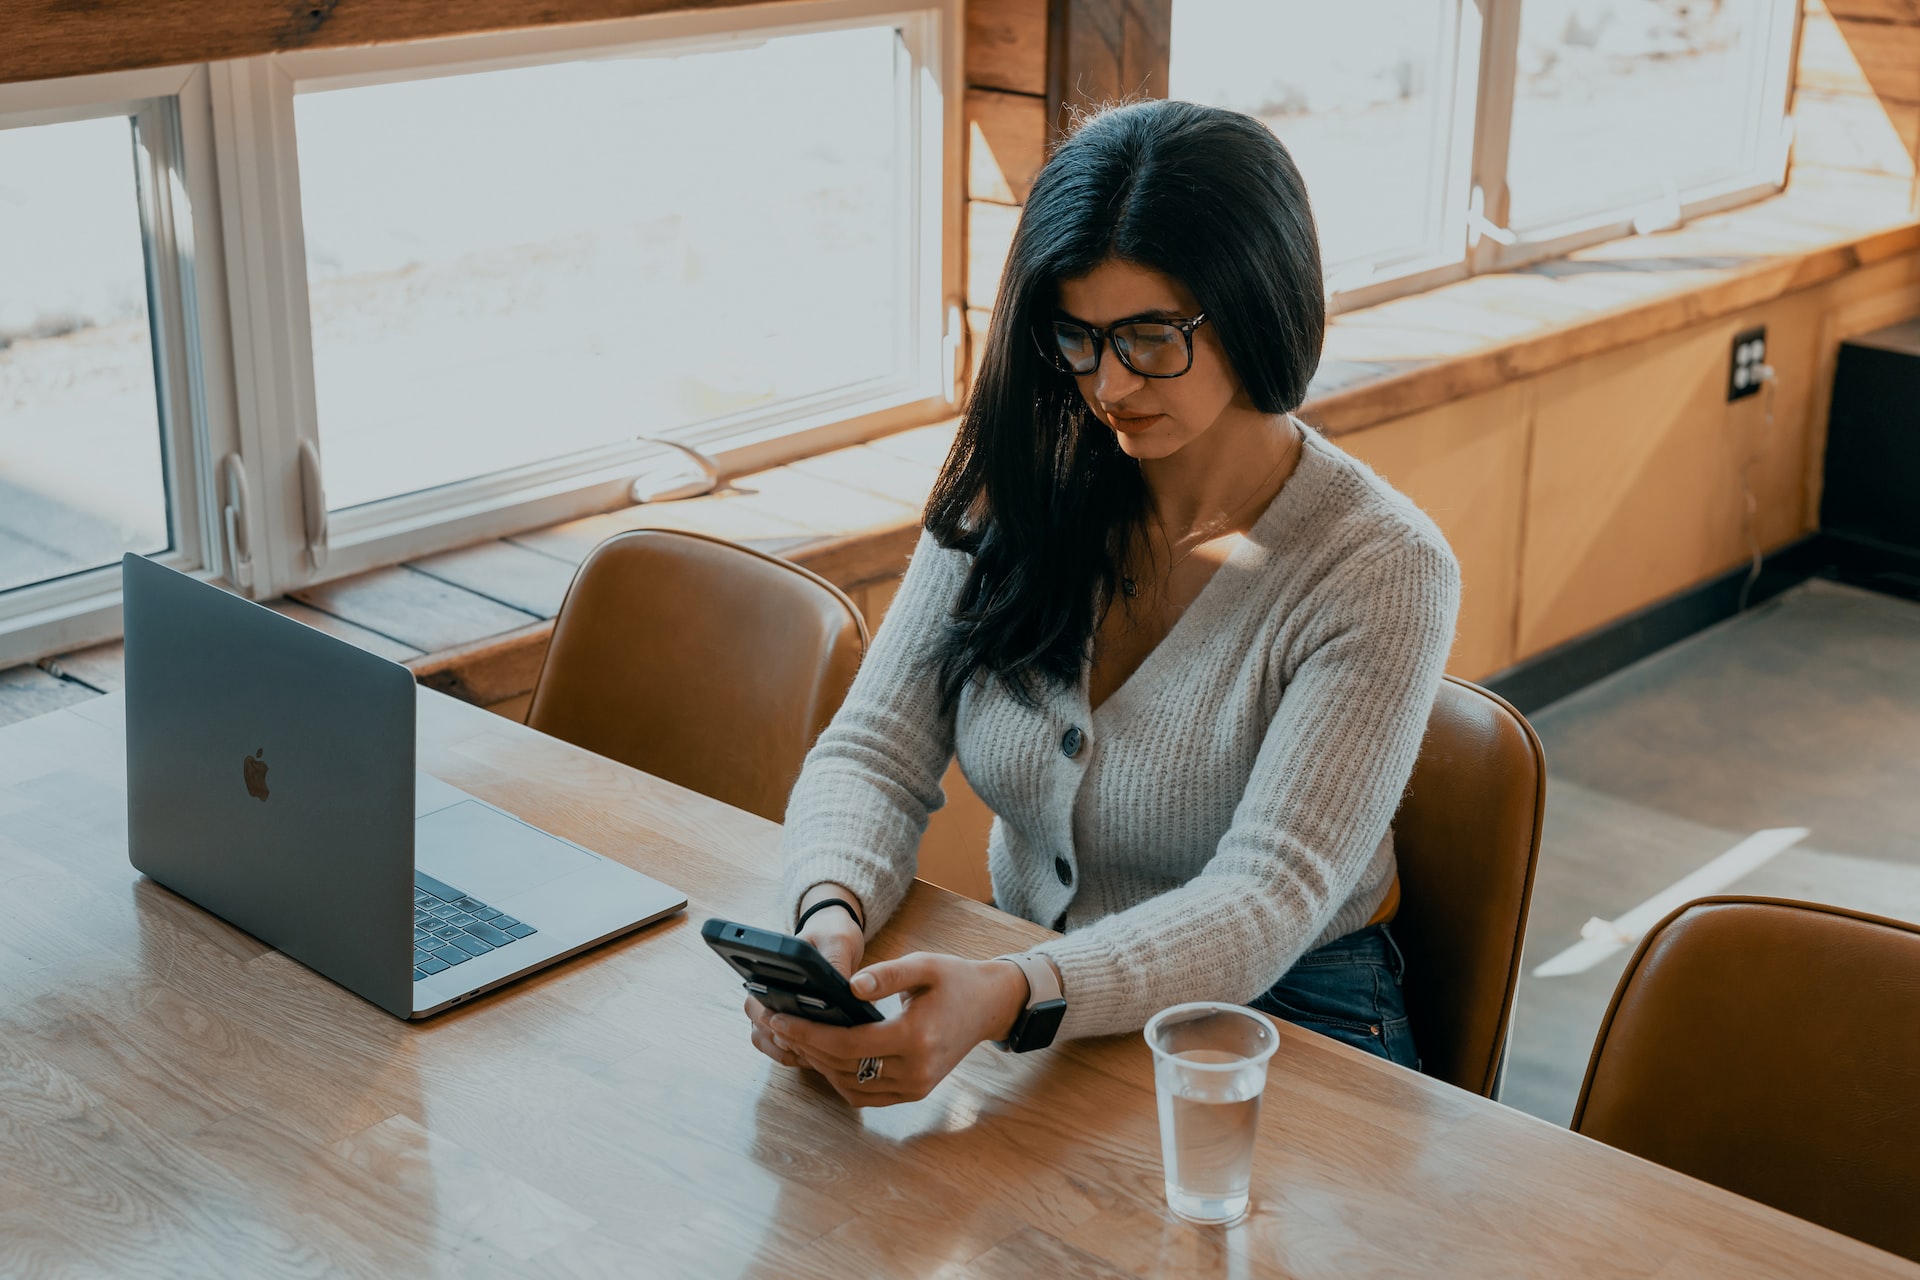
(271, 780)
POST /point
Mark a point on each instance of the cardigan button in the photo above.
(1061, 869)
(1071, 740)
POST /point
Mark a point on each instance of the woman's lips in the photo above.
(1137, 422)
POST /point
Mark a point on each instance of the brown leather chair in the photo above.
(1467, 837)
(1772, 1048)
(699, 661)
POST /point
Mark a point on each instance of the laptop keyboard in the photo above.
(450, 928)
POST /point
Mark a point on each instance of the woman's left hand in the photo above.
(949, 1006)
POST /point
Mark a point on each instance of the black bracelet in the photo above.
(822, 905)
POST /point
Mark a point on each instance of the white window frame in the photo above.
(1765, 174)
(1473, 191)
(273, 352)
(180, 224)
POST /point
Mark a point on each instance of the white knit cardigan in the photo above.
(1223, 812)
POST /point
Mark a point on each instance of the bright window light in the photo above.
(81, 474)
(1621, 103)
(1359, 91)
(512, 266)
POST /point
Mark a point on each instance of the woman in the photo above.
(1184, 647)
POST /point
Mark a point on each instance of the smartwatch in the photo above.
(1046, 1006)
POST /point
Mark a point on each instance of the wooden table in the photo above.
(176, 1099)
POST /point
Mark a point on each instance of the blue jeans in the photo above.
(1349, 990)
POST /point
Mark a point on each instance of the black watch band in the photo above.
(1039, 1022)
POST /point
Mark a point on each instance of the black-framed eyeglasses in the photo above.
(1151, 348)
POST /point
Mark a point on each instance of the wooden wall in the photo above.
(1031, 65)
(1578, 496)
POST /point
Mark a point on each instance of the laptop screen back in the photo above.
(270, 778)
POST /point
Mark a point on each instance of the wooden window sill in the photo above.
(1414, 353)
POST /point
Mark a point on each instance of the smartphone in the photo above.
(787, 974)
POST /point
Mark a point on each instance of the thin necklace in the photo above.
(1198, 538)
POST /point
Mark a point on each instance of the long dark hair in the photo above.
(1036, 488)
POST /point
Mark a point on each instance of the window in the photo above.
(623, 278)
(286, 318)
(514, 258)
(1629, 107)
(1439, 137)
(81, 479)
(102, 426)
(1367, 96)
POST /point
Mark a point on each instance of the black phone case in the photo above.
(787, 974)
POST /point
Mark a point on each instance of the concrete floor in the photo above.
(1804, 712)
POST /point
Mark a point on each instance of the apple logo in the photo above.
(255, 769)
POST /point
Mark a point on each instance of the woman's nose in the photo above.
(1113, 381)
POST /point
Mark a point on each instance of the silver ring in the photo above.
(869, 1070)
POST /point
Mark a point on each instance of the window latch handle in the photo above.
(313, 501)
(1480, 227)
(238, 524)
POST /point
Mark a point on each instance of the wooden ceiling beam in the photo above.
(47, 39)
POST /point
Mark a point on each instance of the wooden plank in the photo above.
(49, 38)
(887, 475)
(979, 325)
(512, 574)
(103, 667)
(489, 670)
(1085, 46)
(371, 641)
(929, 444)
(413, 608)
(1635, 490)
(873, 555)
(1007, 45)
(514, 709)
(990, 229)
(1886, 54)
(1147, 39)
(1006, 144)
(27, 691)
(826, 508)
(1906, 11)
(728, 514)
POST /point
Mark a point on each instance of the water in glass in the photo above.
(1210, 1066)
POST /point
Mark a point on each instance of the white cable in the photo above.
(1763, 374)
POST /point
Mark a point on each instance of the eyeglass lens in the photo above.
(1147, 347)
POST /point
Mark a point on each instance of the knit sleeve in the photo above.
(861, 803)
(1325, 785)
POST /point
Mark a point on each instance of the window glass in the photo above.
(81, 475)
(1619, 103)
(512, 266)
(1360, 92)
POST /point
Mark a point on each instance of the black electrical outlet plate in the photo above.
(1749, 354)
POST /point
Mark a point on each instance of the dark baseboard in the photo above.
(1579, 662)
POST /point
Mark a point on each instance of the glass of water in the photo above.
(1209, 1067)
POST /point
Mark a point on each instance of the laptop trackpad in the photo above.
(485, 853)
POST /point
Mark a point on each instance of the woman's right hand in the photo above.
(834, 935)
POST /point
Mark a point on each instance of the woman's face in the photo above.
(1151, 417)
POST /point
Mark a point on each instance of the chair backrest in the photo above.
(699, 661)
(1772, 1048)
(1466, 838)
